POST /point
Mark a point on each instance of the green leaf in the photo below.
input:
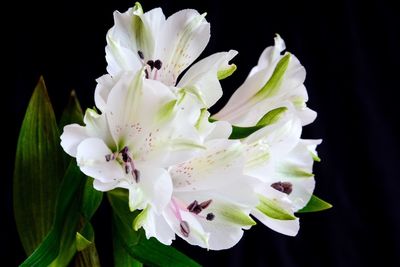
(315, 204)
(121, 256)
(272, 209)
(82, 242)
(272, 116)
(65, 221)
(91, 199)
(85, 237)
(59, 246)
(86, 249)
(148, 251)
(72, 112)
(243, 132)
(38, 170)
(87, 257)
(272, 85)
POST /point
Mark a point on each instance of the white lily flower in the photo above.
(276, 79)
(283, 162)
(211, 201)
(166, 47)
(139, 133)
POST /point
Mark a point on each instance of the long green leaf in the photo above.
(121, 256)
(148, 251)
(72, 112)
(87, 257)
(66, 219)
(38, 170)
(315, 204)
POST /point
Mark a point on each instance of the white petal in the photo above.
(184, 36)
(120, 58)
(245, 109)
(104, 187)
(212, 130)
(223, 158)
(155, 185)
(104, 85)
(222, 235)
(202, 77)
(132, 110)
(156, 226)
(286, 227)
(72, 136)
(222, 130)
(97, 126)
(91, 158)
(281, 137)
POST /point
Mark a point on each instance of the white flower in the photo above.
(140, 131)
(211, 201)
(166, 47)
(276, 79)
(283, 162)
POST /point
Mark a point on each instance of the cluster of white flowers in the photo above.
(153, 135)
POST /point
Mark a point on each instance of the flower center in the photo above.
(196, 208)
(151, 66)
(284, 187)
(125, 159)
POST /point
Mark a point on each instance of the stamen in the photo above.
(140, 53)
(127, 169)
(205, 204)
(151, 64)
(136, 175)
(210, 216)
(194, 207)
(146, 73)
(157, 64)
(284, 187)
(108, 157)
(185, 230)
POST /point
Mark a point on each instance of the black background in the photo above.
(350, 52)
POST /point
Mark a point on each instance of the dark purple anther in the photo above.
(151, 64)
(157, 64)
(194, 207)
(185, 230)
(140, 53)
(284, 187)
(205, 204)
(136, 175)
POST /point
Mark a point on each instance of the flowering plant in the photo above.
(169, 167)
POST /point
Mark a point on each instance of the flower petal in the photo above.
(202, 78)
(104, 85)
(91, 159)
(223, 158)
(275, 80)
(156, 226)
(183, 38)
(286, 227)
(72, 136)
(133, 32)
(154, 186)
